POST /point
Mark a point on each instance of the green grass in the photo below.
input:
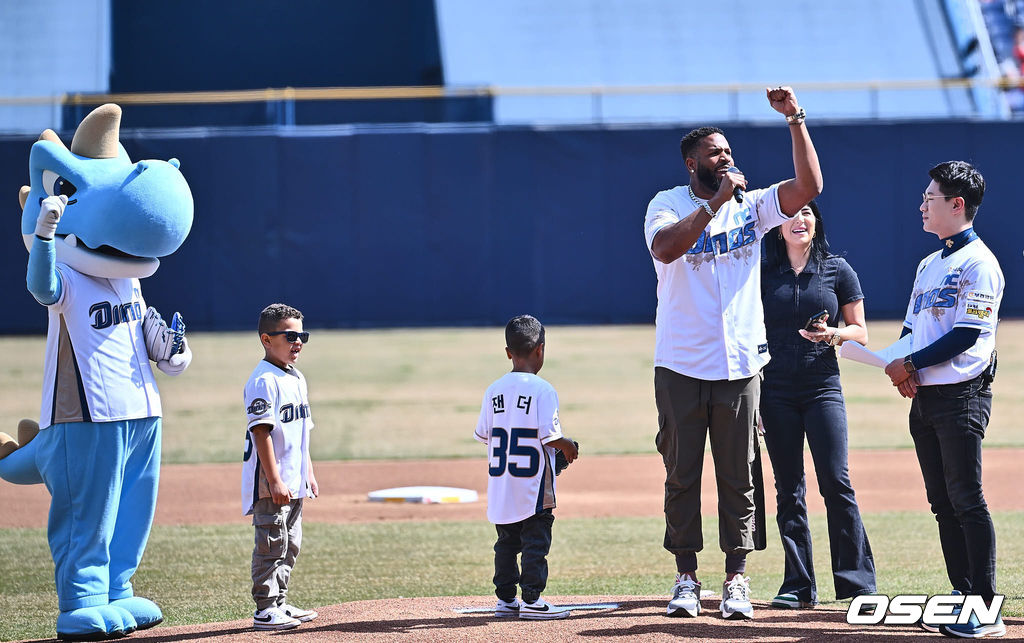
(201, 574)
(416, 393)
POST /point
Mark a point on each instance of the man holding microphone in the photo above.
(710, 344)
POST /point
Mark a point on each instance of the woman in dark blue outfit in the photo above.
(801, 396)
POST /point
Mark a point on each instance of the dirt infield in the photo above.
(632, 618)
(594, 487)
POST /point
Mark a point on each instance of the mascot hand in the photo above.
(159, 338)
(177, 364)
(50, 212)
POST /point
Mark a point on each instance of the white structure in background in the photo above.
(620, 43)
(49, 48)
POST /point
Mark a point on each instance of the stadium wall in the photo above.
(423, 226)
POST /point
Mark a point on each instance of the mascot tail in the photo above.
(18, 464)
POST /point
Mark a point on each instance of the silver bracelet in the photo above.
(707, 208)
(797, 118)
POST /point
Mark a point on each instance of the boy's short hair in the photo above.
(274, 314)
(959, 178)
(523, 334)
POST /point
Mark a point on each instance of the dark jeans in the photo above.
(813, 406)
(532, 538)
(948, 424)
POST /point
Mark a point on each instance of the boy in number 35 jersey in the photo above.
(519, 423)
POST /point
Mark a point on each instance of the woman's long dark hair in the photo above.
(775, 245)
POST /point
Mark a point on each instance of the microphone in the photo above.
(737, 192)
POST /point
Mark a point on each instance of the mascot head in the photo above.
(121, 216)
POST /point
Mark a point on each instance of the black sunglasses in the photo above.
(292, 335)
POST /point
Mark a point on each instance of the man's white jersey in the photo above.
(963, 289)
(96, 367)
(518, 418)
(279, 398)
(710, 321)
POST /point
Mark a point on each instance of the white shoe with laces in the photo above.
(299, 614)
(273, 618)
(685, 597)
(510, 608)
(541, 610)
(736, 598)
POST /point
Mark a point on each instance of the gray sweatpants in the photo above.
(278, 539)
(688, 410)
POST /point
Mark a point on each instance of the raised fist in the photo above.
(782, 100)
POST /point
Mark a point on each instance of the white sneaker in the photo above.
(542, 610)
(301, 615)
(273, 618)
(503, 609)
(736, 598)
(685, 597)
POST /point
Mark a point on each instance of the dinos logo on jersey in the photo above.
(259, 406)
(942, 297)
(724, 242)
(104, 314)
(290, 412)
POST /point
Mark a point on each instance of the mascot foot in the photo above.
(144, 611)
(94, 624)
(27, 429)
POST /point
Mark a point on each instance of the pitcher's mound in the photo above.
(606, 618)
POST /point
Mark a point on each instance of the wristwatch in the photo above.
(908, 365)
(834, 339)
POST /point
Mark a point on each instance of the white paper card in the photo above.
(855, 351)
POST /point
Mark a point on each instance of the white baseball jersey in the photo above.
(518, 418)
(710, 321)
(963, 289)
(279, 398)
(96, 367)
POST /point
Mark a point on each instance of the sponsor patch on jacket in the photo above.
(981, 297)
(981, 312)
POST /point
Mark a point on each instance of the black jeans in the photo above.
(532, 538)
(812, 406)
(948, 423)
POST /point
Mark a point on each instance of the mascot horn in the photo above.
(94, 223)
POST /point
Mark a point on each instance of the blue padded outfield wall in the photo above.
(418, 226)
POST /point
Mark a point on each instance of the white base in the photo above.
(584, 606)
(424, 495)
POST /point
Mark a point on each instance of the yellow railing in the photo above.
(285, 98)
(412, 92)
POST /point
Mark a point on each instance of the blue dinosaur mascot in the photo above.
(95, 223)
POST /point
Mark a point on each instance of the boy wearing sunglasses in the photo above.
(277, 472)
